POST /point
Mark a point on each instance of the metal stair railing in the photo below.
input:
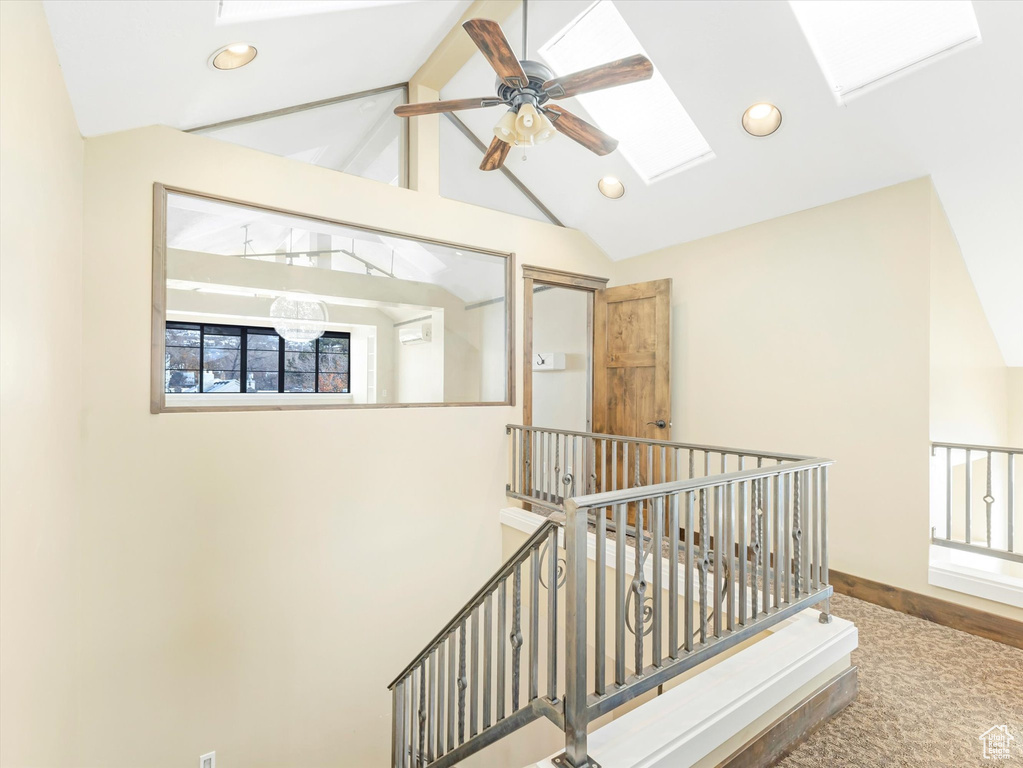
(430, 724)
(698, 565)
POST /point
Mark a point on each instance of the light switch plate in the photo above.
(209, 760)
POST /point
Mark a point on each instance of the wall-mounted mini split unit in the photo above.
(416, 334)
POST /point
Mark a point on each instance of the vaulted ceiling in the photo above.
(957, 119)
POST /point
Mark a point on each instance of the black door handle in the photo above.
(660, 423)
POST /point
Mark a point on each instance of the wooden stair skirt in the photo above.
(791, 729)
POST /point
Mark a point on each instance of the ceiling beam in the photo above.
(457, 48)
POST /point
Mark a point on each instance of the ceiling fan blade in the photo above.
(453, 105)
(495, 155)
(579, 130)
(621, 72)
(490, 39)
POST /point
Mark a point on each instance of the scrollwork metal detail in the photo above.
(562, 572)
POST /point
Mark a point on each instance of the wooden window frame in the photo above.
(158, 399)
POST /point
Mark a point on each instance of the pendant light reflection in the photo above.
(297, 319)
(525, 128)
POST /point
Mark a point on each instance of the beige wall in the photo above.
(969, 391)
(40, 402)
(1015, 406)
(810, 333)
(252, 581)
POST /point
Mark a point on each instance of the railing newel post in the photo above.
(576, 716)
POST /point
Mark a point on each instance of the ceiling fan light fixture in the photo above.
(505, 128)
(232, 56)
(761, 119)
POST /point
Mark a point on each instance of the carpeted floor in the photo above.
(927, 693)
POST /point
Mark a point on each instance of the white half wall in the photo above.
(251, 582)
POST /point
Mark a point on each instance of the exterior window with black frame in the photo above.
(206, 358)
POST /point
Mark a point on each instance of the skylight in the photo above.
(655, 132)
(861, 44)
(249, 10)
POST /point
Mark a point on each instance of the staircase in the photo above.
(695, 553)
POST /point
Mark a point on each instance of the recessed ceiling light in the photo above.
(761, 119)
(612, 187)
(232, 56)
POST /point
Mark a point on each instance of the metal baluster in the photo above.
(779, 567)
(807, 490)
(704, 562)
(453, 677)
(825, 579)
(421, 716)
(534, 623)
(765, 546)
(657, 511)
(474, 665)
(816, 534)
(557, 463)
(552, 615)
(718, 557)
(650, 464)
(620, 515)
(637, 460)
(689, 571)
(614, 465)
(743, 548)
(502, 628)
(413, 719)
(600, 605)
(603, 466)
(797, 533)
(638, 583)
(431, 728)
(625, 465)
(786, 564)
(969, 494)
(825, 616)
(729, 547)
(673, 575)
(948, 494)
(442, 678)
(664, 464)
(488, 670)
(692, 464)
(755, 534)
(516, 635)
(462, 683)
(988, 499)
(397, 726)
(1011, 483)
